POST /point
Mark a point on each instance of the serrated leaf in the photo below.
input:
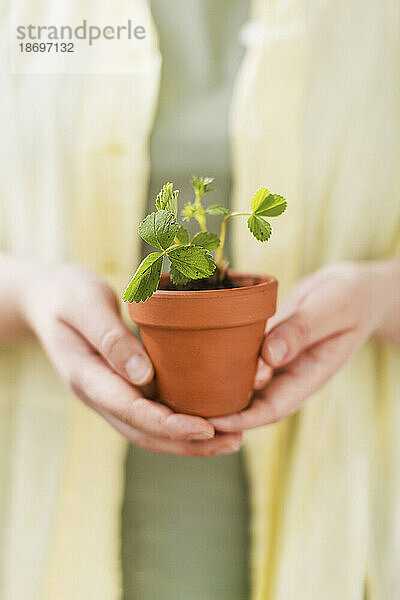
(260, 228)
(209, 241)
(176, 276)
(259, 198)
(192, 261)
(182, 235)
(201, 185)
(159, 229)
(272, 206)
(167, 199)
(145, 281)
(217, 209)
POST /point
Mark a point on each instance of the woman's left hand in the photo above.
(324, 321)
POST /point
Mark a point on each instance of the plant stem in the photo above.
(201, 215)
(219, 255)
(201, 219)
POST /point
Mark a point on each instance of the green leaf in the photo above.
(209, 241)
(182, 235)
(201, 185)
(259, 198)
(217, 209)
(145, 281)
(192, 261)
(167, 199)
(176, 276)
(159, 229)
(272, 206)
(259, 227)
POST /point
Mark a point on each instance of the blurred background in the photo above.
(302, 97)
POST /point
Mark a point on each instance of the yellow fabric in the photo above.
(316, 117)
(74, 162)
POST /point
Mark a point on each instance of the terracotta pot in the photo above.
(204, 345)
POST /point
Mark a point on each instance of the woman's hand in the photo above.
(76, 317)
(324, 321)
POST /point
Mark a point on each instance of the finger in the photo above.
(223, 443)
(101, 325)
(288, 390)
(108, 391)
(263, 375)
(317, 317)
(102, 389)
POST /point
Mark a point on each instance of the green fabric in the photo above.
(201, 56)
(185, 520)
(185, 533)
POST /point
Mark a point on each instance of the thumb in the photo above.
(314, 321)
(123, 351)
(286, 341)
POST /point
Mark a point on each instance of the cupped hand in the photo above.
(324, 321)
(76, 317)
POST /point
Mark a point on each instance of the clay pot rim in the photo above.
(263, 281)
(209, 309)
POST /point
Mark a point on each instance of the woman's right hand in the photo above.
(75, 315)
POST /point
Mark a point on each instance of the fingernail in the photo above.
(277, 349)
(230, 448)
(138, 368)
(201, 435)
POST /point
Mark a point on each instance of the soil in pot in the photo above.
(210, 283)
